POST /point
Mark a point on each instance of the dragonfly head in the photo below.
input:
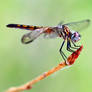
(75, 37)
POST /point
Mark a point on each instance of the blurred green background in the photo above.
(20, 63)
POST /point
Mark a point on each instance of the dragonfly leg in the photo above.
(62, 53)
(69, 46)
(75, 44)
(73, 47)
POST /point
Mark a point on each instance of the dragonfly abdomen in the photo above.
(28, 27)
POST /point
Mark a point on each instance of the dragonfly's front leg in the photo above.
(75, 45)
(69, 46)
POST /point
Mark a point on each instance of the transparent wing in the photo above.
(30, 37)
(77, 26)
(60, 23)
(51, 32)
(52, 35)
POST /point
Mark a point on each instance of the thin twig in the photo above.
(70, 60)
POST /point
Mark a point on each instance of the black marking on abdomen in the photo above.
(28, 27)
(18, 26)
(12, 25)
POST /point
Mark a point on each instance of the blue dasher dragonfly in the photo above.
(68, 32)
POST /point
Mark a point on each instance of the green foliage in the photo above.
(20, 63)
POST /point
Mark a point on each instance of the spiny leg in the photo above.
(75, 44)
(69, 46)
(72, 46)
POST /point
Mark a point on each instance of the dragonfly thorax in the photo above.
(75, 37)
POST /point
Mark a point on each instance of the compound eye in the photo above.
(79, 35)
(76, 34)
(75, 37)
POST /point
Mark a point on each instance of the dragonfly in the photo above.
(68, 32)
